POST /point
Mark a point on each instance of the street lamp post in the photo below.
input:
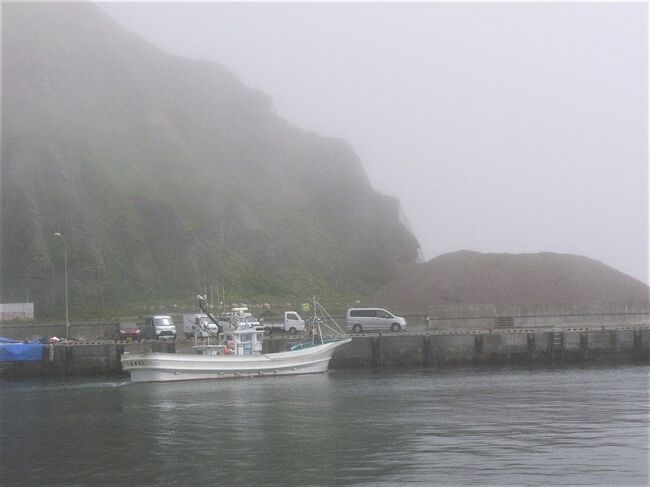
(65, 261)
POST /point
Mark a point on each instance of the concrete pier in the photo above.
(597, 346)
(427, 348)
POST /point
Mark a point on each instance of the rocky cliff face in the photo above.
(474, 278)
(166, 174)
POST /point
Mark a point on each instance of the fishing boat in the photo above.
(238, 353)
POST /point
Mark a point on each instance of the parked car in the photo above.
(159, 327)
(359, 320)
(128, 331)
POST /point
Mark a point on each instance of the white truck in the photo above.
(292, 323)
(199, 325)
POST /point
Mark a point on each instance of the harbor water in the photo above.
(462, 426)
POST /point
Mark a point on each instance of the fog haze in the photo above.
(500, 127)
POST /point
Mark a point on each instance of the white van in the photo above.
(359, 320)
(159, 326)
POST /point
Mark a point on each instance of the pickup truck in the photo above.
(292, 323)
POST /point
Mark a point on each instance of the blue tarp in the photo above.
(8, 340)
(14, 351)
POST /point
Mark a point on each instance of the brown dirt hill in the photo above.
(467, 277)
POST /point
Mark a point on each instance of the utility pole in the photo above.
(65, 261)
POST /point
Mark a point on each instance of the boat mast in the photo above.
(201, 301)
(323, 318)
(315, 323)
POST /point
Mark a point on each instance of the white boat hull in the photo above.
(157, 367)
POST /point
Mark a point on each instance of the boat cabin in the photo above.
(247, 341)
(240, 342)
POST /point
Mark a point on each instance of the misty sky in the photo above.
(500, 127)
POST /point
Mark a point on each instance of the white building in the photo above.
(16, 311)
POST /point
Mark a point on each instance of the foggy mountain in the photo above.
(165, 174)
(467, 277)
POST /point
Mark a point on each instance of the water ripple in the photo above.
(434, 427)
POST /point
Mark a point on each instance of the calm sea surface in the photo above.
(506, 426)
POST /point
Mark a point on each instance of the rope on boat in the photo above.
(335, 328)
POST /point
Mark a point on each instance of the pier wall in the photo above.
(392, 350)
(599, 346)
(565, 316)
(78, 331)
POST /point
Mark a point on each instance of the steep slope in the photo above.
(166, 174)
(474, 278)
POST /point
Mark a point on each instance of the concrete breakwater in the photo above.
(479, 347)
(621, 345)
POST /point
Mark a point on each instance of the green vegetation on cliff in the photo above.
(167, 174)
